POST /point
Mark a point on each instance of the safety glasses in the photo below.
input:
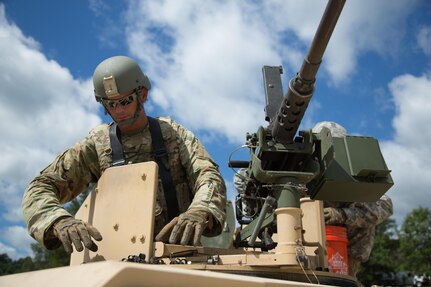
(127, 100)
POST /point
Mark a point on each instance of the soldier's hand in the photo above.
(334, 216)
(186, 228)
(70, 230)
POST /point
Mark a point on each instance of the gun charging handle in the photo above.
(269, 204)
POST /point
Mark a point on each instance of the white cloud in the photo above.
(11, 252)
(424, 40)
(408, 154)
(17, 242)
(213, 67)
(412, 119)
(369, 26)
(17, 237)
(40, 100)
(363, 26)
(205, 58)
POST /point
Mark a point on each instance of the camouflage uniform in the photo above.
(196, 177)
(360, 217)
(361, 220)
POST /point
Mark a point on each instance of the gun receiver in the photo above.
(285, 123)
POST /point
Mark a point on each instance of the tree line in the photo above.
(405, 250)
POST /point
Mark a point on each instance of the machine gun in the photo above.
(284, 167)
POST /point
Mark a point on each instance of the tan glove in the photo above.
(334, 216)
(70, 230)
(186, 228)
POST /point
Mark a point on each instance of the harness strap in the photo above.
(117, 148)
(162, 159)
(160, 156)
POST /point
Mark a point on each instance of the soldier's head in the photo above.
(121, 87)
(336, 129)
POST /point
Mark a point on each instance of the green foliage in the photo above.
(9, 266)
(5, 264)
(398, 251)
(415, 241)
(386, 244)
(44, 259)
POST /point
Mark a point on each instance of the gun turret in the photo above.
(285, 123)
(285, 166)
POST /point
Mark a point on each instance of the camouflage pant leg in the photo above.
(354, 268)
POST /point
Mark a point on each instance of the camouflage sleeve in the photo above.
(204, 176)
(239, 180)
(65, 178)
(367, 214)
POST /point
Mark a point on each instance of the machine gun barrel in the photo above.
(286, 122)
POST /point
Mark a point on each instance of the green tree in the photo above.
(25, 264)
(415, 241)
(384, 257)
(44, 259)
(5, 264)
(9, 266)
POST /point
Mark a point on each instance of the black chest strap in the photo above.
(117, 148)
(160, 156)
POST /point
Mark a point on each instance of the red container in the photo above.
(336, 245)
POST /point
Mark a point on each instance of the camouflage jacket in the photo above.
(196, 177)
(361, 221)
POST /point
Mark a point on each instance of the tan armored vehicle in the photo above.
(273, 238)
(122, 207)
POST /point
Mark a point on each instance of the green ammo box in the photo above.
(355, 171)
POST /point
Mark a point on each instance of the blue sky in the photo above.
(204, 59)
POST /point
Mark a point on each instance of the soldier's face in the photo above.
(122, 107)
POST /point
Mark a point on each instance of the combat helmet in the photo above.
(336, 130)
(118, 75)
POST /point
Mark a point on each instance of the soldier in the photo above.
(192, 194)
(359, 218)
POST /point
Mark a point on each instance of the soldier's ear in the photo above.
(144, 95)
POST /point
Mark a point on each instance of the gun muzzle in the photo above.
(301, 88)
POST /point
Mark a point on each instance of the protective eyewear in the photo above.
(127, 100)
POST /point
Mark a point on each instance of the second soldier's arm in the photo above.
(366, 214)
